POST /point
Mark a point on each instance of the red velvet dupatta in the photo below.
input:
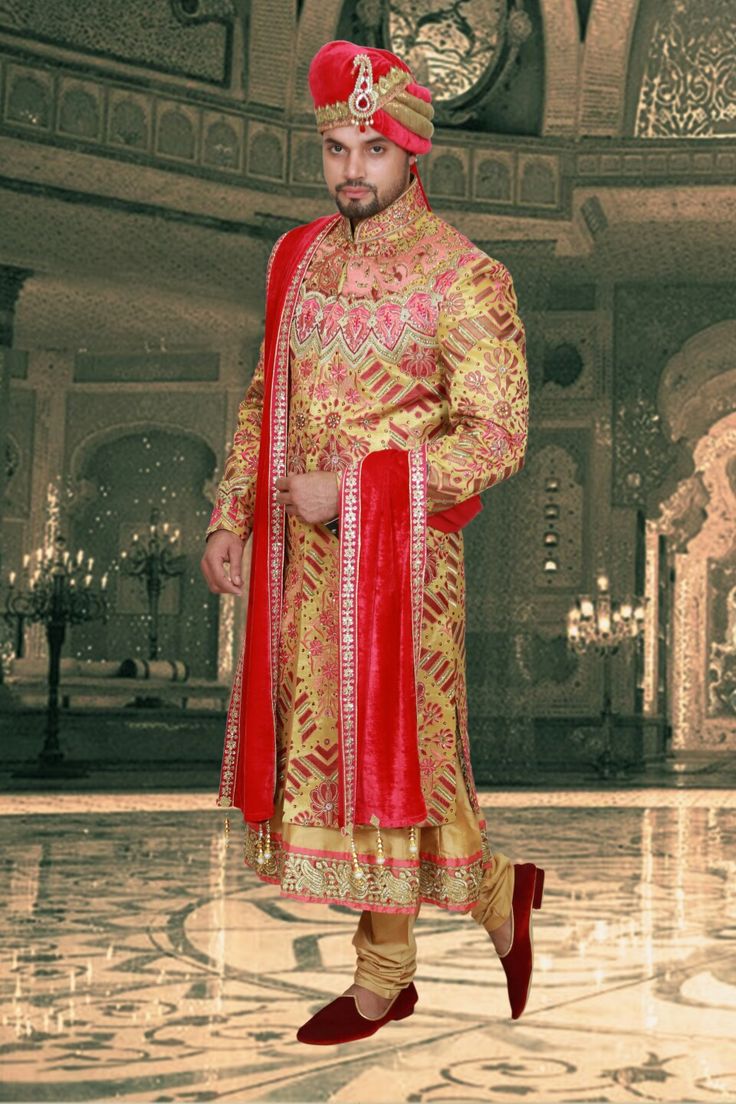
(383, 524)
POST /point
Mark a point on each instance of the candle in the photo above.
(12, 578)
(103, 582)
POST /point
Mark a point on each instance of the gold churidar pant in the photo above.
(385, 944)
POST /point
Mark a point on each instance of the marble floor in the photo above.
(141, 962)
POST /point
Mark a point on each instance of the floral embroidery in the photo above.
(419, 362)
(323, 799)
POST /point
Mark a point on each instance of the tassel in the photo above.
(380, 857)
(259, 849)
(267, 852)
(413, 841)
(227, 831)
(357, 870)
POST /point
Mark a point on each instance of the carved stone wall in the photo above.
(653, 324)
(142, 32)
(684, 63)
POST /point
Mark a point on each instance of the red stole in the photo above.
(382, 558)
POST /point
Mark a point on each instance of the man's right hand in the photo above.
(223, 547)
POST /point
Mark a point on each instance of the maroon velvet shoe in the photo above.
(342, 1022)
(518, 962)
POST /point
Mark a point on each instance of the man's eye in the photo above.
(378, 149)
(336, 148)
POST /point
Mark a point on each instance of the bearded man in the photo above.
(391, 389)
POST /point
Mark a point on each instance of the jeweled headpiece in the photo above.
(382, 94)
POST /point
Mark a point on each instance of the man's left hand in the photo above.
(310, 496)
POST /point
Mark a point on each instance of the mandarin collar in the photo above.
(404, 210)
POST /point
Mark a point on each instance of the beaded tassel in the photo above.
(227, 831)
(267, 850)
(259, 849)
(357, 870)
(380, 857)
(413, 840)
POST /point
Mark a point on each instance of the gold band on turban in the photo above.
(413, 113)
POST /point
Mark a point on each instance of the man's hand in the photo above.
(223, 547)
(310, 496)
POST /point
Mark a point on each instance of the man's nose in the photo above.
(354, 166)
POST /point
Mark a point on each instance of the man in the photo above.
(391, 389)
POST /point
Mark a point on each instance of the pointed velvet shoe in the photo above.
(342, 1022)
(518, 961)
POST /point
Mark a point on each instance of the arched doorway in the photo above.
(121, 474)
(697, 527)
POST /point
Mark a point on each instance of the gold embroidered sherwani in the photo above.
(404, 332)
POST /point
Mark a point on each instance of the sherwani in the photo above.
(404, 333)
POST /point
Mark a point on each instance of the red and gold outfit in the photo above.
(403, 336)
(395, 357)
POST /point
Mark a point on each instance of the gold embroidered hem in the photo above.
(315, 863)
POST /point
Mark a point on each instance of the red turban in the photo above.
(370, 87)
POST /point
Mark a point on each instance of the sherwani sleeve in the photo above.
(482, 350)
(235, 503)
(234, 507)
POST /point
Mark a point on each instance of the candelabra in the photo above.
(153, 564)
(601, 626)
(16, 618)
(57, 591)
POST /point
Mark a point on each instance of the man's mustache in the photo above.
(369, 187)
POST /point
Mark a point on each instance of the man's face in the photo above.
(364, 171)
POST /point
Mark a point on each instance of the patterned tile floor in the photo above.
(141, 962)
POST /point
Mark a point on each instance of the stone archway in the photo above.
(118, 474)
(697, 403)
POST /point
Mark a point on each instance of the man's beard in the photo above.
(365, 208)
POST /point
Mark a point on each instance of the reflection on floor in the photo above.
(140, 961)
